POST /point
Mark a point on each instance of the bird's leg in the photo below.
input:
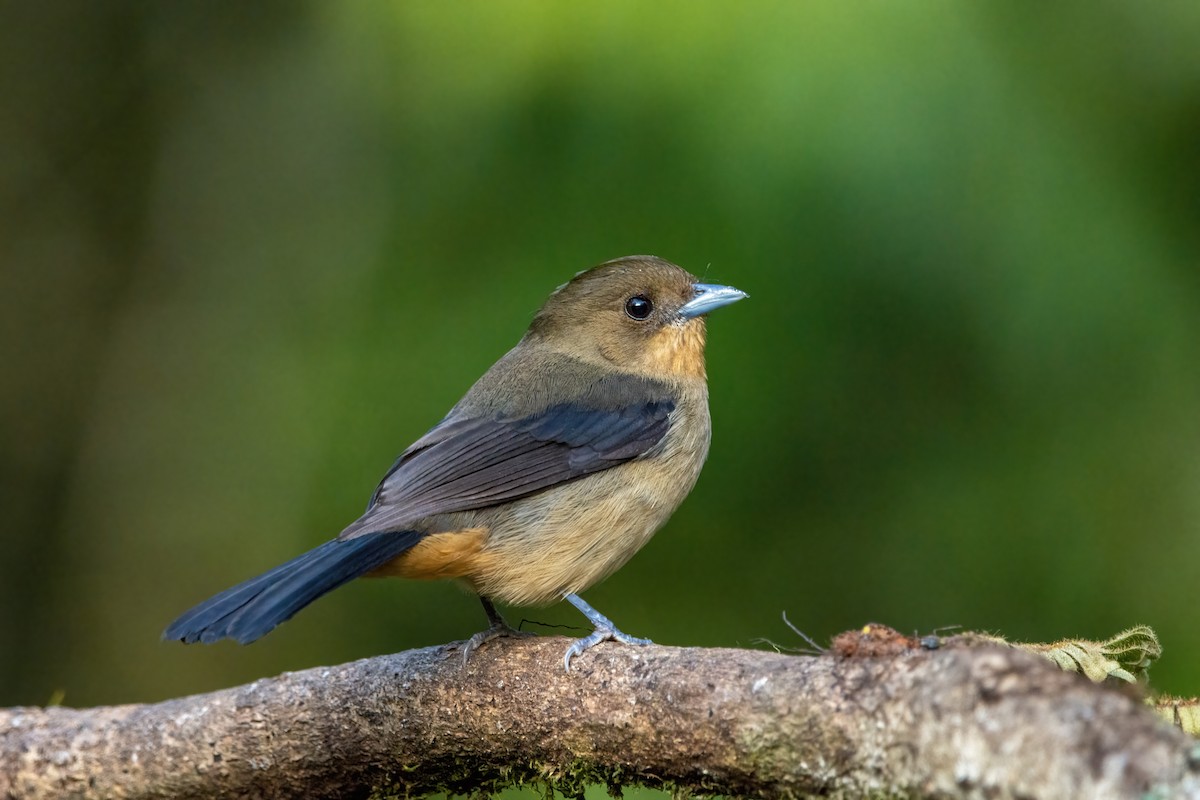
(605, 630)
(497, 627)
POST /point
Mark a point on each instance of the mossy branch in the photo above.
(878, 715)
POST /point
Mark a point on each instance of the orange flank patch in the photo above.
(451, 554)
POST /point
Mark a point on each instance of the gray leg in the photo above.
(605, 630)
(497, 627)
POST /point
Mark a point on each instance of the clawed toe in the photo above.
(597, 636)
(497, 628)
(625, 638)
(605, 630)
(494, 632)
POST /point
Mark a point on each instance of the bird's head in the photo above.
(639, 313)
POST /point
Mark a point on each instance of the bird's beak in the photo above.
(708, 297)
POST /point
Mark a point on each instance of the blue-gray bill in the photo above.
(709, 297)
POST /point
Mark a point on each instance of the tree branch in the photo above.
(873, 717)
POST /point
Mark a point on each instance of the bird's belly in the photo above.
(567, 539)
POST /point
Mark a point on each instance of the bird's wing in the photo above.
(469, 463)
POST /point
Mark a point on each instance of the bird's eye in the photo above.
(639, 307)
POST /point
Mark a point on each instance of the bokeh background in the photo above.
(249, 252)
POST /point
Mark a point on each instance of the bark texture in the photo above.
(873, 717)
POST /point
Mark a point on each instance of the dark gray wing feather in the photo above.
(465, 464)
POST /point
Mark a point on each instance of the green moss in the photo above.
(549, 781)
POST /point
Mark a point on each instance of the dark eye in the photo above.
(639, 306)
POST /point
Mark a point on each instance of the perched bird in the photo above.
(553, 470)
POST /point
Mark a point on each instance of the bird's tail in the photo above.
(252, 609)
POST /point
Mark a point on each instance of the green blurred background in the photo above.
(249, 253)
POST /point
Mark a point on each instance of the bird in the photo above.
(554, 468)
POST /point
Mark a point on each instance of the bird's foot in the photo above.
(497, 627)
(492, 632)
(605, 631)
(599, 635)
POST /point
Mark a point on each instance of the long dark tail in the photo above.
(252, 609)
